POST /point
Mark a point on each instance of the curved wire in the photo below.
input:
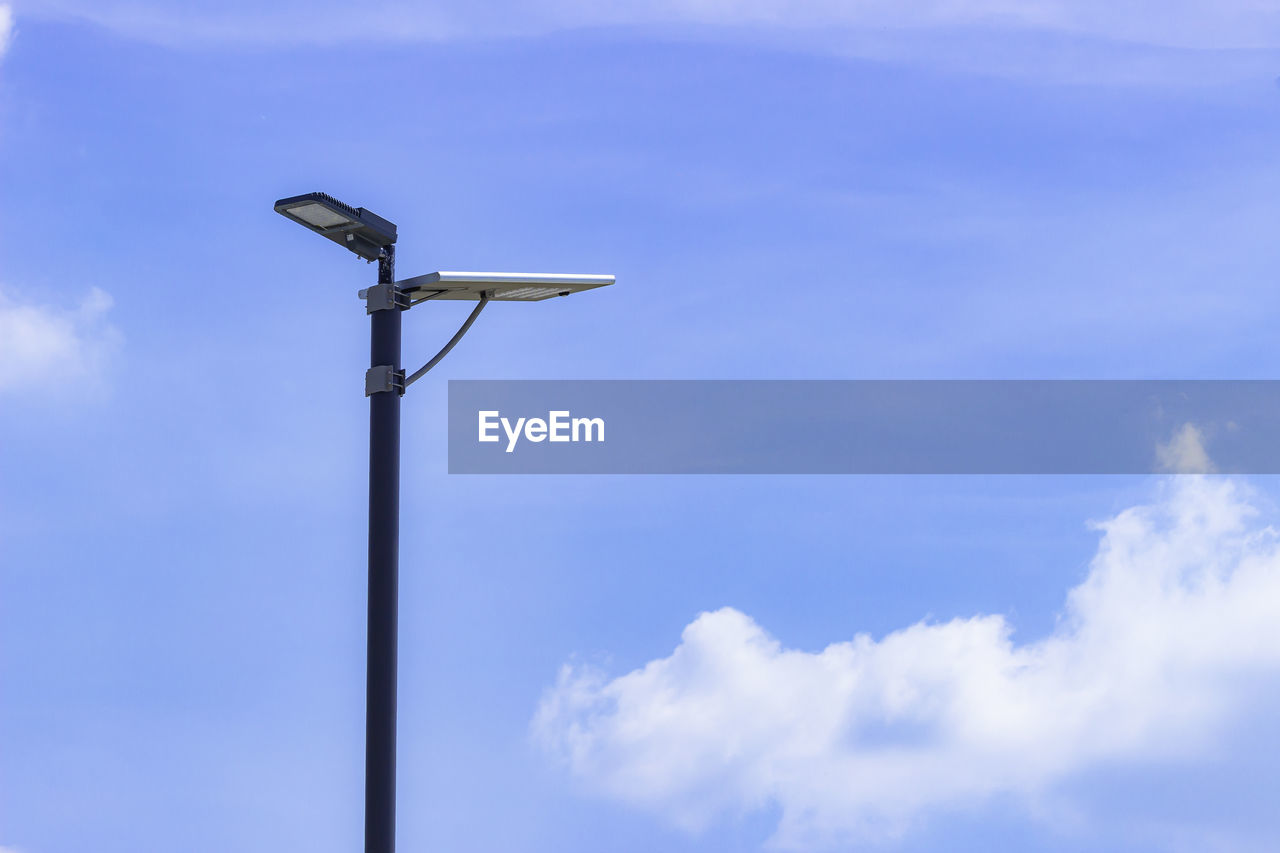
(462, 330)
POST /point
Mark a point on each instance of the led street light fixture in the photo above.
(500, 286)
(355, 228)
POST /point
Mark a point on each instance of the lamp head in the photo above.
(354, 228)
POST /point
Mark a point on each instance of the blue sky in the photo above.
(1045, 191)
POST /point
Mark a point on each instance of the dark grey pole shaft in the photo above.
(384, 571)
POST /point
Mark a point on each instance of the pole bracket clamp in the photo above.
(383, 378)
(383, 297)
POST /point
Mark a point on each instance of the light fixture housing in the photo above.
(501, 286)
(354, 228)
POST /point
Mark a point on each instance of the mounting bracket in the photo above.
(383, 297)
(383, 378)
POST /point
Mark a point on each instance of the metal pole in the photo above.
(384, 556)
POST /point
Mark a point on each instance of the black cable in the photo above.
(462, 330)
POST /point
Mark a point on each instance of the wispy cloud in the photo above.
(1157, 651)
(6, 27)
(1200, 24)
(45, 348)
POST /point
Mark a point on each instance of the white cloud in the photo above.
(1153, 656)
(1184, 453)
(45, 348)
(6, 32)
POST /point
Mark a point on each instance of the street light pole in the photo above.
(384, 572)
(373, 238)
